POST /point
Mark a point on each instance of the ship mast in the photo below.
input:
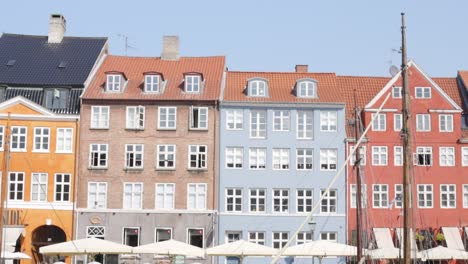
(406, 136)
(357, 165)
(4, 185)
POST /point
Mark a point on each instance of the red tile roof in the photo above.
(281, 85)
(464, 77)
(211, 68)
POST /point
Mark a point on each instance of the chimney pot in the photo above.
(302, 68)
(170, 50)
(57, 28)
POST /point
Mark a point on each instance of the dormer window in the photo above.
(192, 83)
(152, 83)
(258, 88)
(114, 82)
(306, 88)
(56, 98)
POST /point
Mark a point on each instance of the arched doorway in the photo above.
(43, 236)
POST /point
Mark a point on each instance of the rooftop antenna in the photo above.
(127, 46)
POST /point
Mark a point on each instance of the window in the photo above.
(423, 156)
(41, 139)
(96, 231)
(280, 239)
(18, 138)
(135, 117)
(197, 157)
(166, 156)
(329, 236)
(281, 120)
(398, 196)
(280, 200)
(56, 98)
(423, 92)
(199, 118)
(39, 187)
(304, 124)
(2, 137)
(97, 195)
(328, 121)
(425, 196)
(16, 186)
(448, 196)
(134, 156)
(464, 158)
(380, 195)
(257, 158)
(304, 159)
(446, 123)
(64, 140)
(396, 92)
(114, 82)
(152, 83)
(306, 89)
(257, 200)
(233, 200)
(362, 155)
(280, 159)
(196, 196)
(398, 156)
(465, 195)
(234, 119)
(257, 237)
(100, 117)
(131, 236)
(379, 156)
(258, 124)
(423, 122)
(447, 156)
(133, 195)
(98, 155)
(379, 123)
(233, 236)
(353, 194)
(192, 83)
(234, 158)
(196, 237)
(328, 159)
(62, 187)
(328, 204)
(397, 122)
(167, 117)
(304, 200)
(303, 237)
(165, 196)
(163, 234)
(257, 88)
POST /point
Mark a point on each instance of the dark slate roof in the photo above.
(30, 61)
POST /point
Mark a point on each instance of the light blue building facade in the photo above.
(281, 143)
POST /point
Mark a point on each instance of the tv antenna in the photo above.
(127, 46)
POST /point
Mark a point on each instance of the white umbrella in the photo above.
(241, 248)
(321, 248)
(14, 255)
(170, 248)
(441, 253)
(388, 253)
(85, 246)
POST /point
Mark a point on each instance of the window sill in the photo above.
(40, 151)
(63, 152)
(133, 169)
(18, 150)
(198, 129)
(167, 129)
(97, 168)
(197, 169)
(165, 169)
(134, 129)
(99, 128)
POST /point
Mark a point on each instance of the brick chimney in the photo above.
(57, 28)
(302, 68)
(170, 50)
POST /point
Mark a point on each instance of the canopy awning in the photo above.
(85, 246)
(453, 238)
(441, 253)
(11, 234)
(241, 248)
(383, 237)
(412, 240)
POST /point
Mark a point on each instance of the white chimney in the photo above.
(57, 28)
(170, 50)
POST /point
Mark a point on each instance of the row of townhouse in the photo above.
(144, 149)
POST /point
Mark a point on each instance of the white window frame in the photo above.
(304, 200)
(100, 116)
(353, 196)
(193, 83)
(446, 156)
(279, 237)
(133, 196)
(18, 186)
(380, 122)
(135, 117)
(304, 159)
(234, 158)
(168, 194)
(464, 156)
(114, 82)
(423, 92)
(167, 229)
(423, 122)
(465, 195)
(100, 191)
(201, 158)
(62, 184)
(234, 200)
(396, 92)
(280, 158)
(255, 194)
(381, 194)
(445, 123)
(254, 237)
(398, 156)
(258, 129)
(198, 194)
(328, 159)
(136, 153)
(164, 118)
(278, 200)
(281, 120)
(305, 129)
(426, 192)
(124, 234)
(448, 194)
(232, 236)
(397, 122)
(328, 121)
(307, 89)
(163, 151)
(41, 138)
(398, 196)
(20, 137)
(362, 155)
(152, 83)
(423, 151)
(257, 158)
(234, 119)
(258, 88)
(379, 155)
(64, 142)
(39, 185)
(99, 151)
(329, 201)
(198, 121)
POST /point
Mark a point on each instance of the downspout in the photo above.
(75, 188)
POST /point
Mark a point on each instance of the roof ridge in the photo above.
(159, 57)
(282, 72)
(44, 36)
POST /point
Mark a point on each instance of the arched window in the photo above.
(306, 88)
(258, 87)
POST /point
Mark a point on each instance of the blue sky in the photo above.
(346, 37)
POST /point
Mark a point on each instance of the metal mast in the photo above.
(357, 165)
(406, 136)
